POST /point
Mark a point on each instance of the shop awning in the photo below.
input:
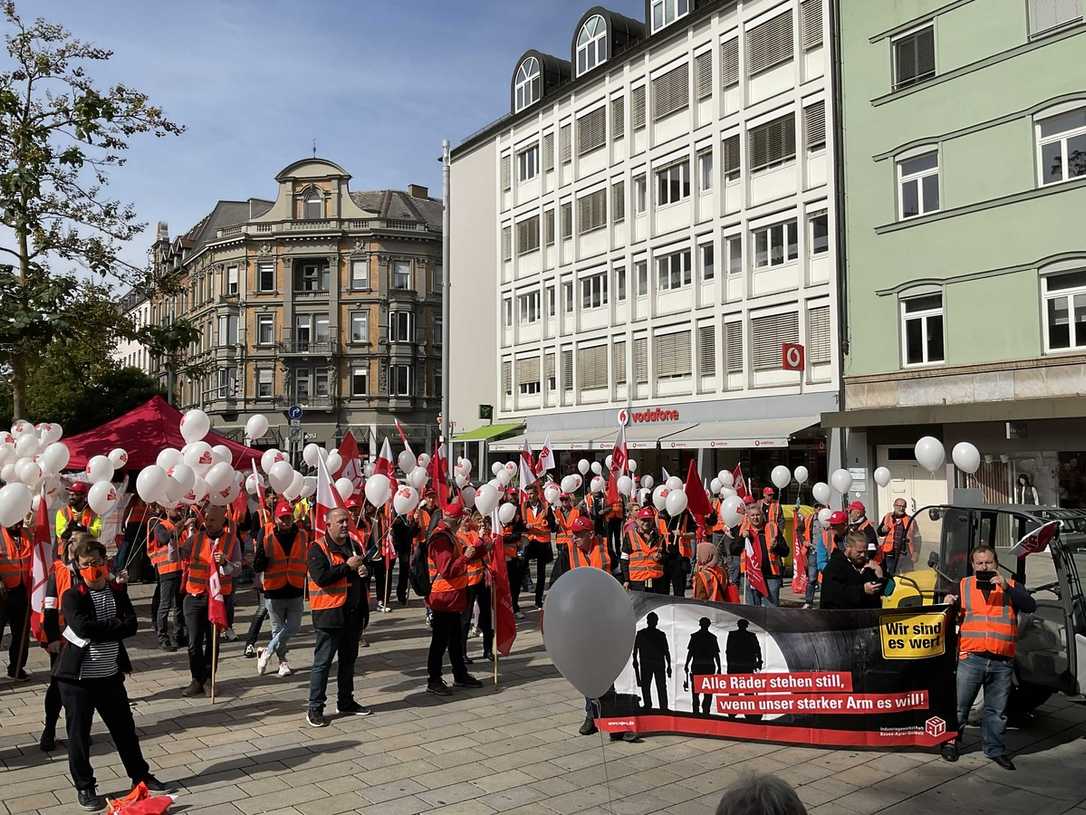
(559, 440)
(490, 432)
(1067, 407)
(739, 434)
(642, 437)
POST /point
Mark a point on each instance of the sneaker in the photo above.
(263, 658)
(182, 640)
(353, 709)
(154, 785)
(475, 632)
(1004, 761)
(438, 688)
(806, 605)
(284, 668)
(250, 651)
(949, 751)
(468, 681)
(364, 643)
(229, 635)
(589, 727)
(380, 606)
(194, 689)
(519, 615)
(468, 660)
(48, 741)
(19, 676)
(90, 800)
(315, 718)
(166, 646)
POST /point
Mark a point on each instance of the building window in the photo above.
(641, 360)
(922, 329)
(310, 277)
(769, 44)
(567, 369)
(673, 271)
(360, 326)
(768, 334)
(528, 382)
(671, 92)
(703, 75)
(438, 382)
(591, 44)
(528, 235)
(552, 307)
(314, 205)
(507, 378)
(360, 274)
(618, 118)
(264, 379)
(265, 276)
(591, 131)
(592, 368)
(507, 243)
(729, 64)
(705, 171)
(320, 383)
(707, 350)
(228, 330)
(548, 152)
(437, 277)
(507, 311)
(231, 279)
(673, 184)
(1062, 146)
(618, 361)
(818, 335)
(303, 382)
(914, 57)
(548, 227)
(401, 326)
(399, 380)
(708, 267)
(526, 84)
(1045, 15)
(507, 173)
(265, 329)
(733, 347)
(565, 144)
(665, 12)
(360, 381)
(528, 163)
(594, 291)
(1065, 310)
(618, 201)
(820, 233)
(401, 274)
(548, 372)
(814, 126)
(640, 191)
(672, 355)
(730, 151)
(637, 107)
(528, 307)
(439, 331)
(775, 245)
(591, 211)
(620, 284)
(734, 245)
(567, 296)
(811, 14)
(773, 143)
(641, 268)
(566, 218)
(918, 185)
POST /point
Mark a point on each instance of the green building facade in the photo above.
(962, 184)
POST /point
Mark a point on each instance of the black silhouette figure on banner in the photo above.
(743, 653)
(651, 646)
(702, 658)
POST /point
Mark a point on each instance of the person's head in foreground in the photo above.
(760, 795)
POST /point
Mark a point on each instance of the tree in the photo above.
(60, 135)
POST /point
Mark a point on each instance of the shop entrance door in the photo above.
(912, 482)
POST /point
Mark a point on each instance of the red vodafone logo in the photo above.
(648, 415)
(792, 356)
(624, 417)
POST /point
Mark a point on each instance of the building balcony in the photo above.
(295, 347)
(312, 402)
(324, 225)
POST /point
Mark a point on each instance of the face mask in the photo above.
(92, 574)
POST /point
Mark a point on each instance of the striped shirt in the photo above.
(100, 660)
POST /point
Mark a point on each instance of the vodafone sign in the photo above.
(647, 416)
(792, 356)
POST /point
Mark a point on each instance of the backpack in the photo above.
(418, 572)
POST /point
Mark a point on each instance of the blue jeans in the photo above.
(994, 675)
(773, 585)
(286, 619)
(341, 643)
(812, 578)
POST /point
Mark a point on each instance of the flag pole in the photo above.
(214, 658)
(494, 617)
(446, 270)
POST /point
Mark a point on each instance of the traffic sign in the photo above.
(792, 356)
(294, 412)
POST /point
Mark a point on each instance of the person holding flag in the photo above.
(539, 524)
(476, 533)
(763, 549)
(14, 601)
(281, 552)
(164, 550)
(642, 555)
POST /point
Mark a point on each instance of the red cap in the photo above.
(858, 506)
(354, 502)
(645, 514)
(767, 492)
(838, 518)
(582, 524)
(283, 508)
(748, 499)
(79, 488)
(453, 510)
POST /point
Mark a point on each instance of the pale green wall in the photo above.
(987, 320)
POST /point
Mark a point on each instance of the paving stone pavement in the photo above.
(513, 749)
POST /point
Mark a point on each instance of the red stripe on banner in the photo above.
(824, 681)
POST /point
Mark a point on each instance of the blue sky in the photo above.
(377, 84)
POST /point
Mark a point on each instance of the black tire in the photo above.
(1024, 700)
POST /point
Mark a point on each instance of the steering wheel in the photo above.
(1053, 587)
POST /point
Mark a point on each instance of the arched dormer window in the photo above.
(591, 44)
(313, 204)
(527, 83)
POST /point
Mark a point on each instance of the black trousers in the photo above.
(516, 568)
(540, 578)
(108, 697)
(659, 586)
(258, 619)
(13, 611)
(614, 538)
(479, 593)
(675, 575)
(650, 675)
(200, 633)
(341, 644)
(446, 635)
(53, 702)
(169, 605)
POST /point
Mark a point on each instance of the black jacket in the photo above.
(324, 573)
(78, 608)
(843, 586)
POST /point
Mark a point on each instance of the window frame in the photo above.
(395, 270)
(401, 327)
(362, 371)
(683, 169)
(262, 321)
(705, 171)
(901, 180)
(360, 282)
(730, 242)
(923, 316)
(785, 226)
(312, 196)
(394, 369)
(529, 307)
(594, 43)
(594, 291)
(677, 9)
(812, 240)
(362, 337)
(263, 267)
(526, 78)
(270, 383)
(1074, 346)
(640, 194)
(895, 43)
(528, 164)
(1063, 139)
(684, 274)
(709, 246)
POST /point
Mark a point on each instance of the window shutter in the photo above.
(672, 355)
(703, 73)
(507, 378)
(812, 23)
(733, 347)
(768, 334)
(618, 201)
(818, 335)
(548, 368)
(707, 350)
(814, 126)
(637, 108)
(773, 143)
(729, 64)
(641, 360)
(507, 173)
(567, 220)
(618, 117)
(548, 152)
(618, 361)
(591, 211)
(1046, 14)
(770, 44)
(671, 92)
(565, 144)
(548, 227)
(732, 165)
(527, 370)
(507, 243)
(592, 367)
(591, 131)
(567, 369)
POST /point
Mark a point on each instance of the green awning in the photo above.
(489, 432)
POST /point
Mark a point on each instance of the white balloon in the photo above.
(168, 457)
(780, 477)
(882, 476)
(821, 492)
(647, 482)
(460, 479)
(334, 462)
(368, 470)
(674, 483)
(714, 486)
(54, 458)
(219, 476)
(504, 477)
(28, 445)
(731, 510)
(801, 475)
(345, 488)
(659, 497)
(378, 489)
(727, 492)
(407, 461)
(552, 494)
(294, 489)
(511, 467)
(824, 515)
(199, 456)
(220, 452)
(270, 458)
(930, 453)
(256, 427)
(311, 454)
(424, 459)
(676, 503)
(118, 457)
(405, 500)
(571, 483)
(582, 466)
(506, 513)
(28, 471)
(200, 490)
(495, 467)
(597, 468)
(727, 479)
(309, 486)
(7, 473)
(195, 424)
(597, 484)
(467, 495)
(609, 461)
(841, 480)
(102, 497)
(417, 478)
(466, 464)
(631, 465)
(486, 499)
(150, 483)
(280, 475)
(224, 497)
(98, 469)
(21, 426)
(50, 433)
(252, 483)
(15, 503)
(625, 485)
(966, 457)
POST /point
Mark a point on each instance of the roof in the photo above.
(223, 214)
(144, 432)
(398, 205)
(286, 171)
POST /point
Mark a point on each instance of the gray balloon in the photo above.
(588, 629)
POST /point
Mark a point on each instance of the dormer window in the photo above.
(313, 204)
(665, 12)
(526, 85)
(591, 44)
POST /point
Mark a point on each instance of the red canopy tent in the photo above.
(143, 432)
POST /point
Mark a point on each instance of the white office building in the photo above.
(643, 233)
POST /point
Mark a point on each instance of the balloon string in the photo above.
(603, 753)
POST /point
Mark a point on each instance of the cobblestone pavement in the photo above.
(513, 749)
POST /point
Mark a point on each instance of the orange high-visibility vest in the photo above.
(536, 523)
(565, 525)
(709, 583)
(160, 555)
(201, 564)
(475, 565)
(440, 584)
(890, 523)
(283, 568)
(597, 558)
(14, 559)
(769, 533)
(334, 595)
(989, 624)
(62, 577)
(642, 565)
(616, 509)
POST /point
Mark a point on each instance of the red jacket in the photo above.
(443, 553)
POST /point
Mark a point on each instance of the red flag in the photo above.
(384, 464)
(740, 485)
(261, 496)
(216, 604)
(545, 462)
(799, 557)
(697, 501)
(505, 624)
(352, 462)
(527, 468)
(403, 436)
(327, 498)
(755, 578)
(41, 566)
(619, 459)
(438, 483)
